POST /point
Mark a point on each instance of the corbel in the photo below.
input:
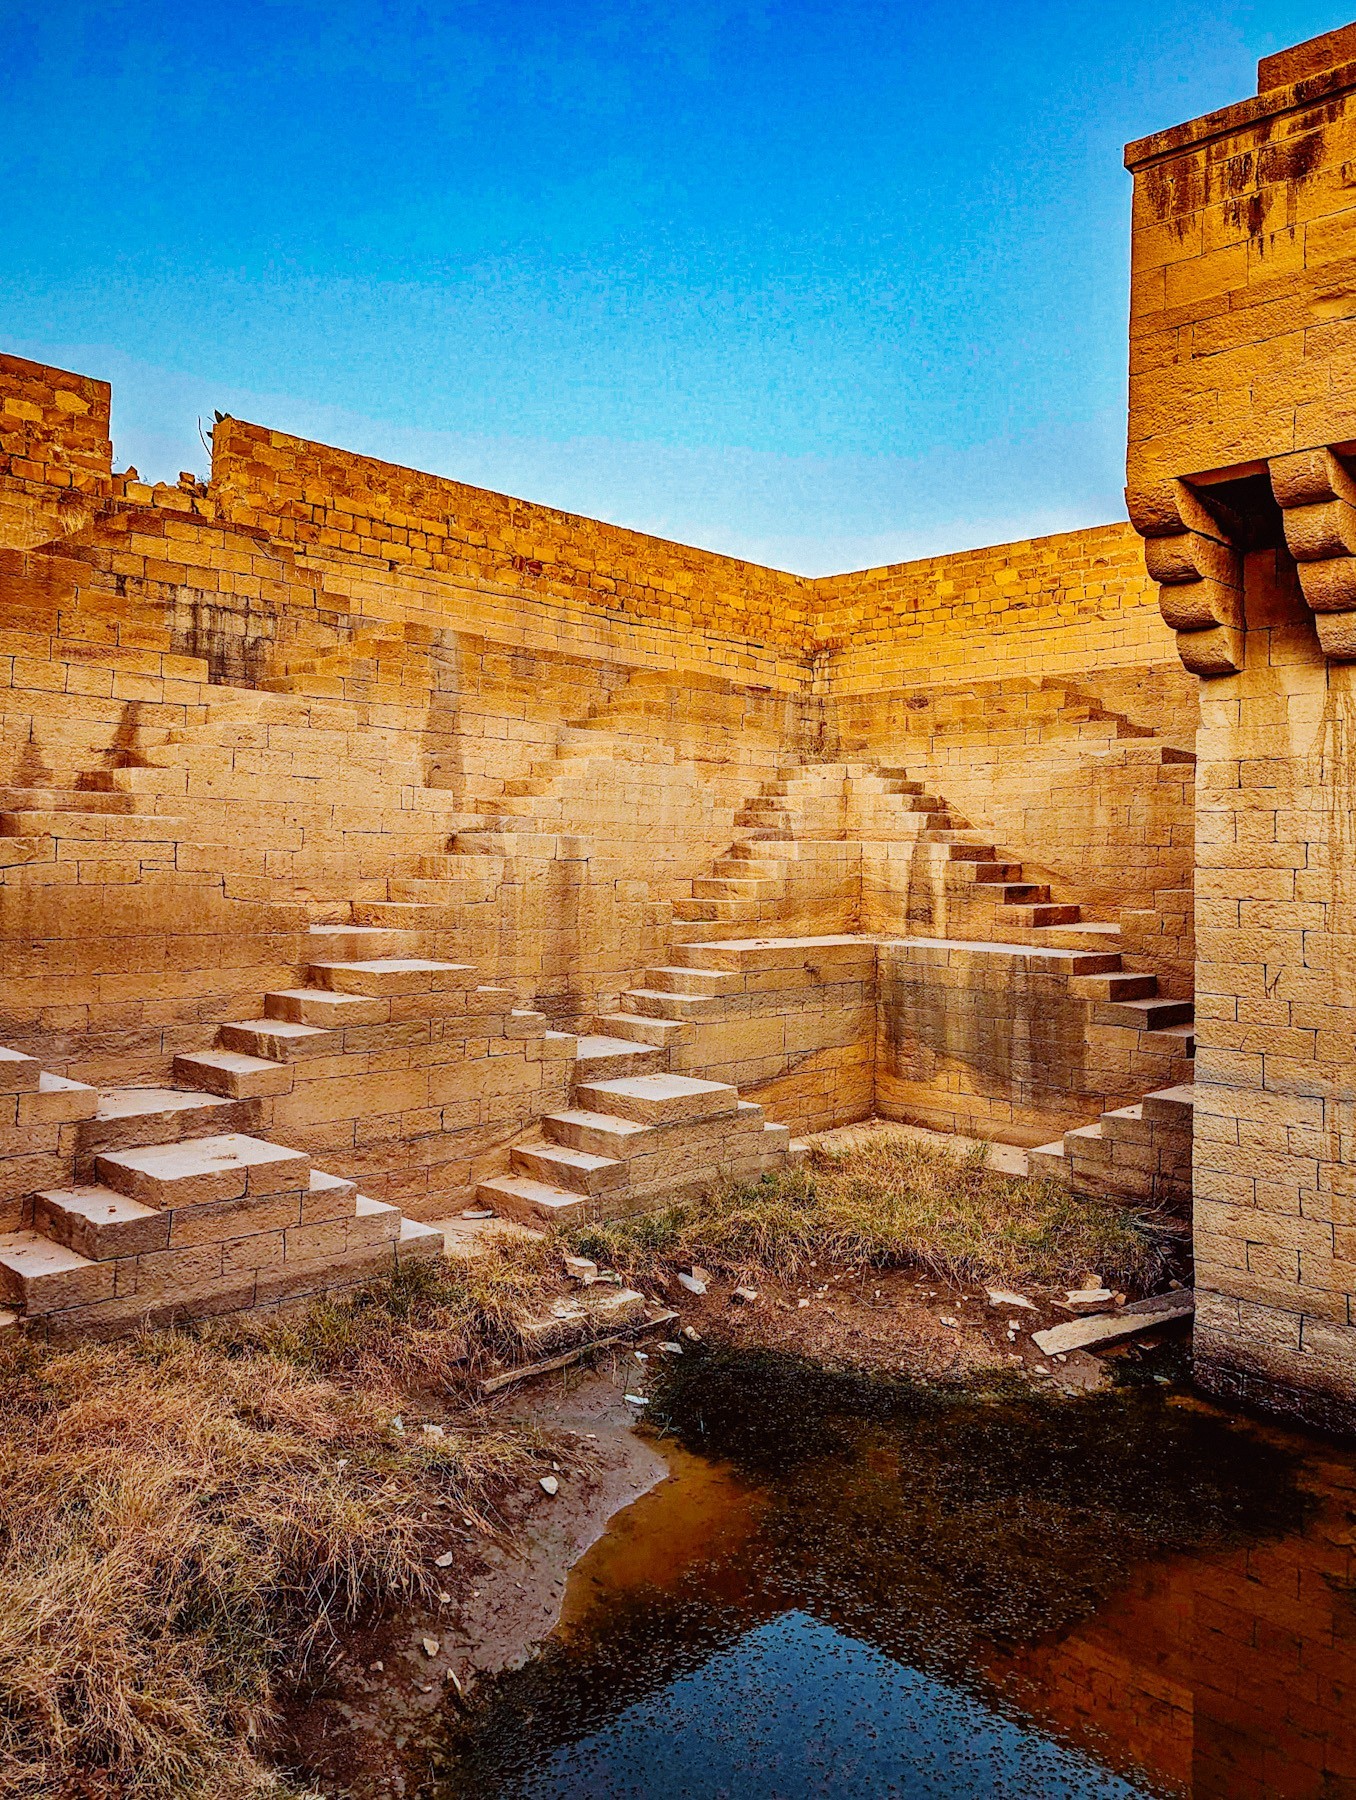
(1192, 550)
(1316, 492)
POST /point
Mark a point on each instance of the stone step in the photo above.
(596, 1058)
(233, 1073)
(540, 844)
(986, 873)
(40, 1275)
(349, 943)
(204, 1170)
(99, 1223)
(386, 977)
(660, 1099)
(733, 912)
(642, 1028)
(322, 1182)
(128, 1117)
(136, 781)
(19, 1073)
(1051, 913)
(319, 1006)
(1086, 1144)
(693, 982)
(538, 1203)
(58, 1101)
(1119, 986)
(656, 1003)
(19, 799)
(472, 872)
(1013, 893)
(1148, 1015)
(578, 1318)
(1126, 1125)
(1088, 934)
(765, 870)
(599, 1134)
(418, 890)
(1180, 1039)
(1173, 1106)
(562, 1166)
(734, 887)
(761, 850)
(961, 846)
(277, 1040)
(1049, 1160)
(408, 915)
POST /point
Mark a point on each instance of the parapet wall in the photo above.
(1068, 604)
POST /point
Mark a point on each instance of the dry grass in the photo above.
(891, 1203)
(186, 1518)
(435, 1326)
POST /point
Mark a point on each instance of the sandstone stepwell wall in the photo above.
(311, 675)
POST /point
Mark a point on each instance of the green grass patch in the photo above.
(891, 1203)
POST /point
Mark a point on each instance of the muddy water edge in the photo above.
(823, 1583)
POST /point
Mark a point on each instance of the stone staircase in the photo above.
(174, 1208)
(1134, 1153)
(629, 1142)
(988, 899)
(360, 977)
(170, 1202)
(792, 858)
(960, 887)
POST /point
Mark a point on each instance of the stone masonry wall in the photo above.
(1242, 422)
(320, 688)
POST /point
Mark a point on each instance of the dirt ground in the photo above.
(349, 1735)
(893, 1322)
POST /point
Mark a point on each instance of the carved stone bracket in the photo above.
(1316, 492)
(1190, 551)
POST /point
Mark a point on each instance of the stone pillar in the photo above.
(1242, 428)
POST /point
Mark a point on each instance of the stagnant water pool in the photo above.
(852, 1587)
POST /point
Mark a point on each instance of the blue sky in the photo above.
(827, 283)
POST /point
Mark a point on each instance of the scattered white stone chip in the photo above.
(446, 1560)
(431, 1646)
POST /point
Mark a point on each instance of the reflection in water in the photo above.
(861, 1587)
(797, 1709)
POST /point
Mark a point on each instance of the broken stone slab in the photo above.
(1005, 1297)
(1089, 1300)
(1110, 1328)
